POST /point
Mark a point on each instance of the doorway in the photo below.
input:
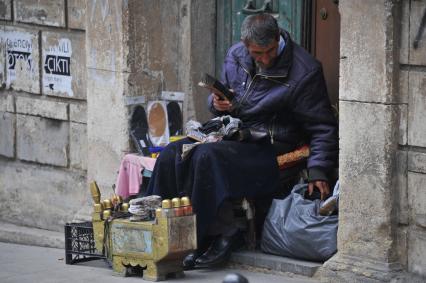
(313, 24)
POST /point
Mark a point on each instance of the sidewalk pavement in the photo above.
(19, 263)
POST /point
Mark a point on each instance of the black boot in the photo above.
(220, 251)
(189, 260)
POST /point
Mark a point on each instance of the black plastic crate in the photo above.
(80, 243)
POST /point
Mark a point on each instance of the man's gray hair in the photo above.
(260, 29)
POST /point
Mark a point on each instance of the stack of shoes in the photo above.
(217, 254)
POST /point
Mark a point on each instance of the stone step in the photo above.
(274, 263)
(11, 233)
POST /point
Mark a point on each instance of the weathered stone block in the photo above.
(417, 55)
(404, 45)
(401, 186)
(417, 198)
(107, 130)
(368, 73)
(78, 146)
(42, 12)
(417, 161)
(64, 64)
(43, 108)
(403, 115)
(201, 57)
(42, 140)
(417, 109)
(367, 165)
(22, 52)
(6, 10)
(7, 103)
(2, 57)
(403, 86)
(77, 14)
(417, 251)
(163, 54)
(78, 113)
(7, 134)
(106, 46)
(41, 196)
(402, 244)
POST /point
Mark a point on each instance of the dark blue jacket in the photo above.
(289, 100)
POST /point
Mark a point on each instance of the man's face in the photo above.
(264, 56)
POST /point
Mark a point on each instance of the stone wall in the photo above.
(65, 78)
(140, 48)
(43, 116)
(382, 95)
(67, 71)
(412, 142)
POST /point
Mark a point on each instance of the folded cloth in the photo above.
(144, 208)
(129, 176)
(152, 201)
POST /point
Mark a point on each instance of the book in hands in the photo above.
(212, 84)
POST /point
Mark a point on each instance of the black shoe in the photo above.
(220, 251)
(188, 262)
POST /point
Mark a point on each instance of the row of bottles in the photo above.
(174, 208)
(108, 206)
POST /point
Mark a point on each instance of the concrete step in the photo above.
(11, 233)
(274, 263)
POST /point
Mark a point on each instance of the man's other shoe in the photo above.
(188, 262)
(220, 251)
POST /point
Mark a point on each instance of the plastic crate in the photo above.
(80, 243)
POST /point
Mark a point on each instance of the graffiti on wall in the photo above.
(20, 61)
(57, 67)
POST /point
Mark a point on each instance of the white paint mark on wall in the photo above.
(57, 75)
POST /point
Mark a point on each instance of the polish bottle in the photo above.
(125, 207)
(186, 206)
(106, 214)
(158, 213)
(166, 206)
(178, 210)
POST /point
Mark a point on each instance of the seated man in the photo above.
(279, 89)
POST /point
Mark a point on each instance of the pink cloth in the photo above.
(129, 176)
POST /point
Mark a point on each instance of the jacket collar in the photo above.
(282, 64)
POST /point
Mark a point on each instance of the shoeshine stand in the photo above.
(156, 247)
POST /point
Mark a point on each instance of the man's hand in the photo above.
(221, 105)
(323, 187)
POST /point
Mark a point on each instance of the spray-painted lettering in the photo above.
(57, 65)
(14, 56)
(18, 44)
